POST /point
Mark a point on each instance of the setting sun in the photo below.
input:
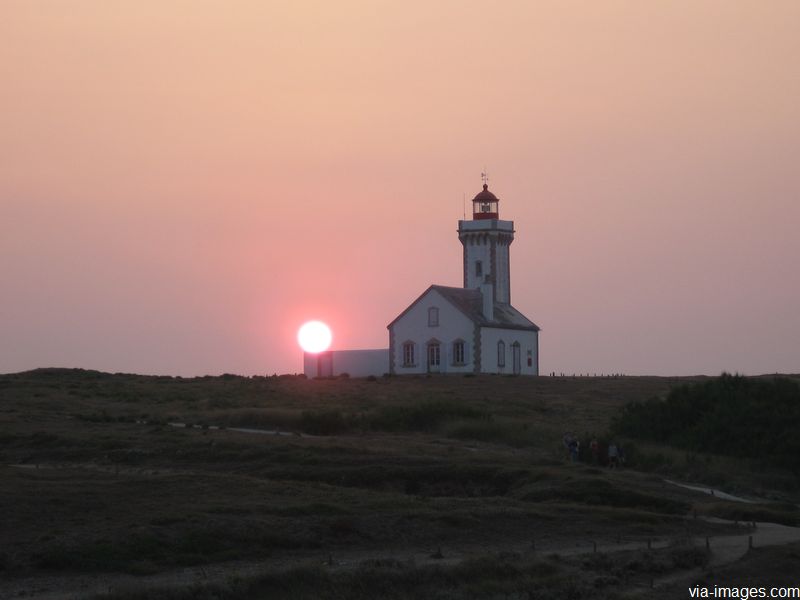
(314, 336)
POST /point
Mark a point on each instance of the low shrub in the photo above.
(330, 422)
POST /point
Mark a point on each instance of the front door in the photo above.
(434, 358)
(325, 364)
(516, 358)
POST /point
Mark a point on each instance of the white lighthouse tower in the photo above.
(486, 240)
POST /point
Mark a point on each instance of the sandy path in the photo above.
(724, 550)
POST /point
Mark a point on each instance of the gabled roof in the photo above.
(470, 302)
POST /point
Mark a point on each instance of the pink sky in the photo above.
(183, 183)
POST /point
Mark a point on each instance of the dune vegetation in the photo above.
(440, 487)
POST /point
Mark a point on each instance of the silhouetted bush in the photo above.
(730, 415)
(329, 422)
(422, 416)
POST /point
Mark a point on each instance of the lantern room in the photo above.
(484, 205)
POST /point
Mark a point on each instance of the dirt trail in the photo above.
(712, 492)
(724, 550)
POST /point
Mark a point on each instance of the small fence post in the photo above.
(708, 542)
(750, 542)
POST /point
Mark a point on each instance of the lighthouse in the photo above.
(486, 240)
(472, 329)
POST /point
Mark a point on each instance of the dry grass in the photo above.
(404, 465)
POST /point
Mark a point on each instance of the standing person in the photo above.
(613, 455)
(572, 445)
(574, 450)
(594, 446)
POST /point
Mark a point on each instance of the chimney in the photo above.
(487, 291)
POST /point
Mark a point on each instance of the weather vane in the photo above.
(485, 177)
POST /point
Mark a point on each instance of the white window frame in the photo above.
(459, 348)
(433, 316)
(434, 354)
(409, 354)
(501, 353)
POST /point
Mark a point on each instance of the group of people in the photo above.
(616, 454)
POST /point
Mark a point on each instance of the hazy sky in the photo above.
(183, 183)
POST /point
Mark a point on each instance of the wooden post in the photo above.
(750, 542)
(594, 547)
(708, 543)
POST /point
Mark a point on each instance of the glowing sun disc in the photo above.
(314, 337)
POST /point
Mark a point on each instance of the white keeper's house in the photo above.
(472, 329)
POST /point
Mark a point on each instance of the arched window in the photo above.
(478, 268)
(458, 352)
(433, 317)
(501, 353)
(408, 354)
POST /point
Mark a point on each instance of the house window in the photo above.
(408, 354)
(458, 352)
(434, 356)
(433, 317)
(478, 268)
(501, 354)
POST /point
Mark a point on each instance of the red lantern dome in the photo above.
(484, 205)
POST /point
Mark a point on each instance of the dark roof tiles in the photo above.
(470, 302)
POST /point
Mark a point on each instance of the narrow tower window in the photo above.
(433, 317)
(478, 268)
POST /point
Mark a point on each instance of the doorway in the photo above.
(516, 358)
(434, 358)
(325, 364)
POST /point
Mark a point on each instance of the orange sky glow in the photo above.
(184, 183)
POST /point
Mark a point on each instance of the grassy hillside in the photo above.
(100, 481)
